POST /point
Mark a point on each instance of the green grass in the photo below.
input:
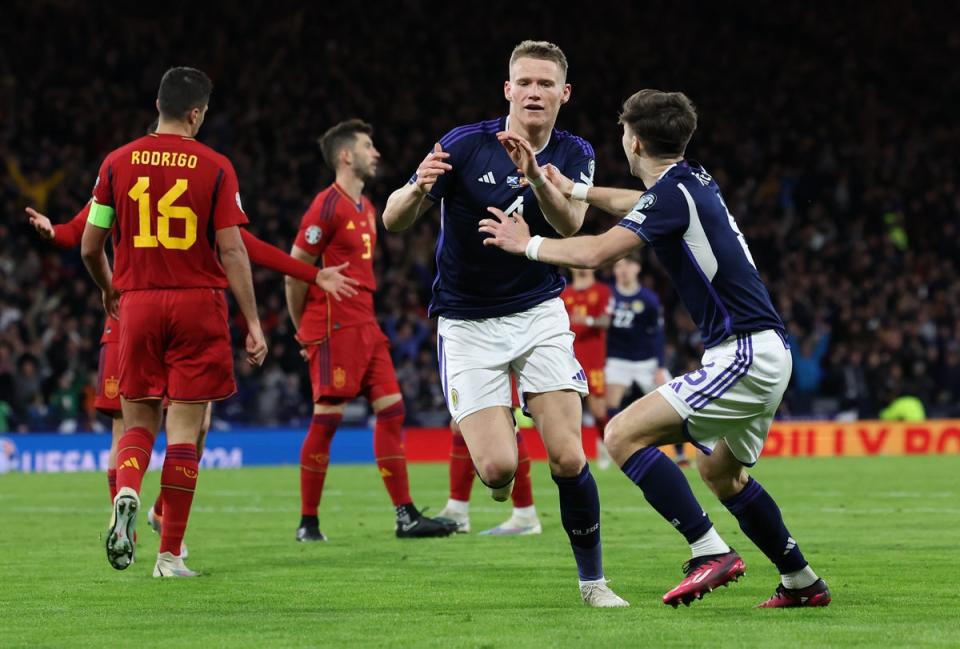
(882, 531)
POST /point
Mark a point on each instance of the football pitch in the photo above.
(882, 531)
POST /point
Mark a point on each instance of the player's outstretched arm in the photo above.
(408, 203)
(562, 213)
(236, 264)
(329, 279)
(512, 234)
(611, 200)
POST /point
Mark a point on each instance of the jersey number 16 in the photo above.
(168, 211)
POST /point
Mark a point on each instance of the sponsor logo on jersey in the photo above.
(351, 226)
(339, 377)
(487, 178)
(111, 387)
(313, 234)
(646, 202)
(636, 217)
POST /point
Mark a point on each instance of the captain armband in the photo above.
(101, 216)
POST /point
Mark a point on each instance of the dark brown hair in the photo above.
(340, 136)
(182, 90)
(664, 121)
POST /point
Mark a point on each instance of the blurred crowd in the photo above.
(830, 132)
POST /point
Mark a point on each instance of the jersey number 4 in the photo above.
(168, 211)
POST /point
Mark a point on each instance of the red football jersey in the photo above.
(337, 230)
(171, 194)
(590, 345)
(67, 235)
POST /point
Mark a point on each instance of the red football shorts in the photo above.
(175, 343)
(353, 361)
(107, 399)
(592, 362)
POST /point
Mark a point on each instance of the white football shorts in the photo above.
(735, 395)
(478, 356)
(620, 371)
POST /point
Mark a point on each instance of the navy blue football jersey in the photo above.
(684, 218)
(475, 281)
(636, 326)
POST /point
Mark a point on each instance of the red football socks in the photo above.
(389, 453)
(314, 459)
(112, 483)
(133, 458)
(177, 484)
(522, 494)
(462, 471)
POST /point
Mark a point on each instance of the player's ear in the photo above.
(507, 89)
(565, 97)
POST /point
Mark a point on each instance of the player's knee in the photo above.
(567, 462)
(619, 442)
(495, 472)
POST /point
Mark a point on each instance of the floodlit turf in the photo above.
(882, 531)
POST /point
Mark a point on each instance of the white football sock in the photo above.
(458, 506)
(525, 512)
(601, 581)
(709, 543)
(800, 578)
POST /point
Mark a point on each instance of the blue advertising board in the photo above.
(58, 453)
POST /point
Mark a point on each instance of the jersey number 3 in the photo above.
(168, 211)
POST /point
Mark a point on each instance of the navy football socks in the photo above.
(580, 516)
(665, 487)
(761, 521)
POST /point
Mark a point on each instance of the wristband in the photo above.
(533, 248)
(539, 181)
(579, 192)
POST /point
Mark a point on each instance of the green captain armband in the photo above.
(101, 216)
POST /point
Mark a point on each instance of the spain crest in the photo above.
(339, 377)
(111, 388)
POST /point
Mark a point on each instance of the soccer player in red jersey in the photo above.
(587, 300)
(523, 519)
(107, 400)
(172, 204)
(348, 353)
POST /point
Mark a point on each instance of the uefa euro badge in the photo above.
(313, 234)
(454, 398)
(339, 377)
(111, 388)
(646, 202)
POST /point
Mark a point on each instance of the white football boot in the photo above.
(169, 565)
(598, 595)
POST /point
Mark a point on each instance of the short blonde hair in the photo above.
(543, 50)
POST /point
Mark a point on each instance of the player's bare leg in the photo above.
(762, 523)
(633, 437)
(142, 421)
(523, 519)
(557, 416)
(493, 446)
(178, 482)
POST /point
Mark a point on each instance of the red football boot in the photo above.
(816, 594)
(703, 574)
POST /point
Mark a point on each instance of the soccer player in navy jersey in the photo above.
(500, 314)
(636, 341)
(724, 408)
